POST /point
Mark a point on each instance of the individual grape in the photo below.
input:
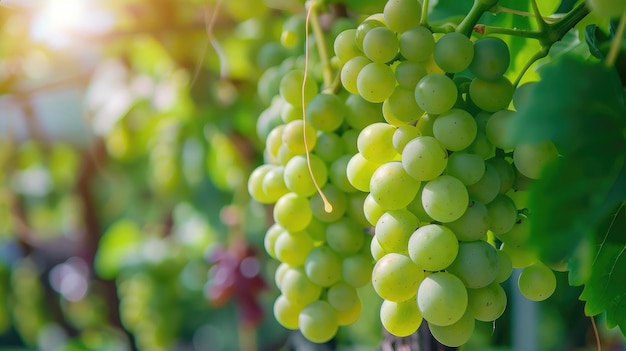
(520, 257)
(363, 28)
(316, 230)
(442, 298)
(518, 234)
(408, 73)
(503, 214)
(476, 264)
(372, 209)
(380, 44)
(456, 334)
(467, 167)
(342, 297)
(537, 282)
(401, 15)
(269, 240)
(361, 113)
(491, 96)
(375, 143)
(338, 200)
(488, 303)
(285, 154)
(396, 278)
(498, 127)
(291, 88)
(424, 158)
(376, 250)
(298, 178)
(360, 171)
(491, 58)
(344, 236)
(433, 247)
(403, 106)
(376, 82)
(355, 210)
(455, 129)
(390, 118)
(417, 44)
(531, 158)
(255, 184)
(286, 313)
(351, 315)
(280, 272)
(425, 124)
(338, 175)
(274, 183)
(522, 94)
(394, 228)
(445, 198)
(290, 112)
(292, 212)
(473, 224)
(345, 45)
(318, 321)
(298, 289)
(506, 173)
(325, 112)
(293, 31)
(453, 52)
(293, 136)
(329, 147)
(436, 93)
(488, 187)
(400, 318)
(506, 267)
(356, 269)
(350, 138)
(350, 72)
(392, 187)
(417, 208)
(403, 135)
(293, 247)
(607, 8)
(323, 266)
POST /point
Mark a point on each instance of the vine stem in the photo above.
(595, 332)
(500, 9)
(327, 70)
(424, 17)
(617, 42)
(467, 24)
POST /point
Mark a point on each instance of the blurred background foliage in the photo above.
(127, 131)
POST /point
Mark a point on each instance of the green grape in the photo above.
(293, 136)
(456, 334)
(506, 267)
(274, 140)
(518, 234)
(522, 94)
(350, 138)
(286, 313)
(356, 269)
(360, 171)
(433, 247)
(345, 236)
(607, 8)
(491, 96)
(537, 282)
(445, 198)
(350, 72)
(342, 297)
(442, 298)
(351, 315)
(408, 74)
(488, 303)
(392, 187)
(255, 184)
(488, 187)
(372, 210)
(390, 118)
(376, 250)
(503, 214)
(280, 272)
(274, 183)
(491, 58)
(505, 171)
(417, 44)
(424, 158)
(498, 127)
(531, 158)
(318, 321)
(338, 174)
(337, 199)
(293, 247)
(362, 30)
(325, 112)
(293, 31)
(467, 167)
(375, 143)
(401, 15)
(289, 112)
(375, 82)
(453, 52)
(436, 93)
(394, 228)
(425, 124)
(455, 129)
(396, 278)
(416, 207)
(269, 240)
(345, 45)
(403, 135)
(356, 201)
(361, 113)
(316, 230)
(476, 264)
(298, 178)
(473, 224)
(298, 289)
(268, 85)
(380, 44)
(403, 106)
(291, 88)
(292, 212)
(400, 318)
(285, 154)
(520, 257)
(270, 54)
(323, 266)
(329, 147)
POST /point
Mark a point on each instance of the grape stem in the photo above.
(467, 24)
(617, 42)
(424, 18)
(320, 38)
(501, 9)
